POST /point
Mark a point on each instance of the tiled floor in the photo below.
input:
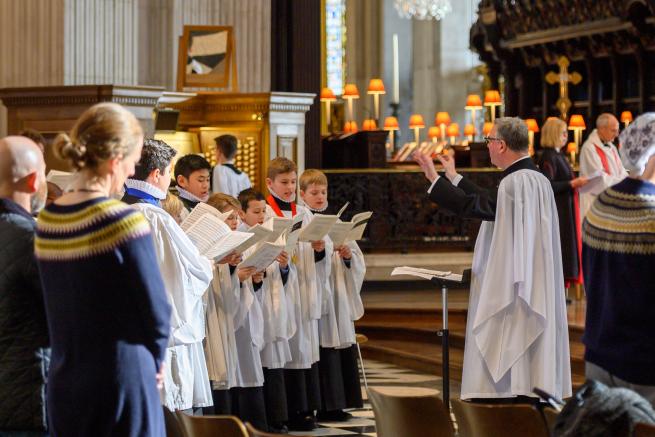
(378, 374)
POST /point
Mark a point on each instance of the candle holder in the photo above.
(416, 122)
(376, 88)
(473, 104)
(492, 100)
(327, 97)
(532, 128)
(442, 119)
(350, 93)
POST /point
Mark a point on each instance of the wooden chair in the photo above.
(550, 414)
(254, 432)
(644, 430)
(173, 428)
(409, 411)
(496, 420)
(211, 426)
(360, 339)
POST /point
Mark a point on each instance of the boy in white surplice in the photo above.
(186, 275)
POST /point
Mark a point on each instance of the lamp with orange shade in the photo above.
(350, 127)
(391, 125)
(473, 103)
(453, 132)
(350, 92)
(416, 122)
(577, 125)
(375, 88)
(532, 128)
(572, 149)
(433, 133)
(486, 129)
(369, 124)
(469, 131)
(442, 120)
(626, 118)
(327, 96)
(492, 100)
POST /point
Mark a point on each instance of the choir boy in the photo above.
(186, 275)
(342, 305)
(301, 373)
(192, 177)
(244, 395)
(227, 178)
(279, 317)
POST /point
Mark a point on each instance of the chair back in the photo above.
(211, 426)
(644, 430)
(550, 414)
(173, 428)
(254, 432)
(409, 411)
(498, 420)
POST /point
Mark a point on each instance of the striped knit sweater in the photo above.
(619, 270)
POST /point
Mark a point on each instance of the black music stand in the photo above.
(444, 283)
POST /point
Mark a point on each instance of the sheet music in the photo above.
(291, 237)
(425, 273)
(263, 256)
(227, 244)
(62, 179)
(318, 227)
(204, 233)
(339, 232)
(359, 222)
(343, 209)
(199, 211)
(595, 185)
(259, 233)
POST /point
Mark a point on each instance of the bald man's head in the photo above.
(607, 126)
(22, 170)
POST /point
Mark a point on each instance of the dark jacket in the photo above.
(24, 352)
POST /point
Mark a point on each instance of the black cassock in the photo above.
(558, 171)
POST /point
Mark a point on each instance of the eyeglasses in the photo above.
(490, 139)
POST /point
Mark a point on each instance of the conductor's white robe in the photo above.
(187, 276)
(517, 334)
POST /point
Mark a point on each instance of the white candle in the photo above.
(396, 71)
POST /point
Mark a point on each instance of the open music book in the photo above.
(318, 227)
(199, 212)
(263, 255)
(280, 224)
(595, 185)
(425, 273)
(344, 232)
(62, 179)
(213, 237)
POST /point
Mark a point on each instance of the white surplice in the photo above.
(517, 333)
(590, 162)
(279, 322)
(346, 283)
(227, 181)
(249, 336)
(187, 276)
(307, 306)
(220, 345)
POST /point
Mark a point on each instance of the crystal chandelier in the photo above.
(423, 9)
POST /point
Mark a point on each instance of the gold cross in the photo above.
(563, 78)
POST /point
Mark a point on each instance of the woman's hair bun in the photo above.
(65, 149)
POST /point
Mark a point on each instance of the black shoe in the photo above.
(302, 422)
(334, 416)
(278, 428)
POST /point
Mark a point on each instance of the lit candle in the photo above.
(396, 71)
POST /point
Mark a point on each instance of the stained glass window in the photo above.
(335, 30)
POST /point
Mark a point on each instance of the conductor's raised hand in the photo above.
(424, 160)
(448, 163)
